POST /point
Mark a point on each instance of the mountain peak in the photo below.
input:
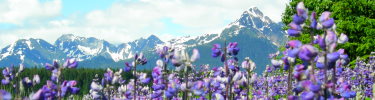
(152, 36)
(67, 37)
(254, 11)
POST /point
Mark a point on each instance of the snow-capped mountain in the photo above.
(30, 51)
(256, 34)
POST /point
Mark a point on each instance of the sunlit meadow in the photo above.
(312, 64)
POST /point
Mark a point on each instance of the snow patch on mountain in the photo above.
(28, 42)
(88, 51)
(190, 41)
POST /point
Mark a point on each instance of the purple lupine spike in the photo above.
(127, 69)
(136, 56)
(328, 23)
(232, 48)
(325, 16)
(7, 71)
(298, 19)
(325, 20)
(216, 50)
(301, 10)
(27, 81)
(294, 43)
(222, 57)
(332, 57)
(293, 52)
(49, 67)
(295, 29)
(70, 63)
(307, 96)
(5, 81)
(314, 23)
(53, 66)
(307, 52)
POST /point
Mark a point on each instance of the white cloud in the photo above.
(17, 11)
(128, 20)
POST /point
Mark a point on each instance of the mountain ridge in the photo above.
(252, 26)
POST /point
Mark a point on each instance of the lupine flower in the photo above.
(276, 63)
(140, 59)
(298, 19)
(36, 79)
(108, 76)
(48, 91)
(314, 23)
(165, 53)
(128, 67)
(218, 96)
(232, 48)
(342, 39)
(21, 68)
(216, 50)
(69, 86)
(4, 95)
(332, 57)
(307, 52)
(182, 58)
(55, 75)
(294, 44)
(301, 15)
(144, 79)
(248, 64)
(325, 20)
(331, 38)
(96, 89)
(53, 66)
(195, 55)
(319, 62)
(117, 77)
(294, 30)
(27, 81)
(320, 41)
(70, 63)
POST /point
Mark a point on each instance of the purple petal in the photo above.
(292, 32)
(328, 23)
(74, 90)
(295, 43)
(325, 16)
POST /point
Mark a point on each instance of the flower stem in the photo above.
(135, 80)
(290, 80)
(187, 82)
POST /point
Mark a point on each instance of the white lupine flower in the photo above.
(160, 63)
(36, 79)
(122, 89)
(219, 96)
(342, 39)
(195, 55)
(237, 76)
(116, 76)
(276, 62)
(21, 68)
(96, 87)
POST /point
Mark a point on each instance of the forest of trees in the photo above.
(83, 77)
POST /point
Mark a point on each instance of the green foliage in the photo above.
(355, 18)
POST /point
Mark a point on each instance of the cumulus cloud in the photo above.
(128, 20)
(17, 11)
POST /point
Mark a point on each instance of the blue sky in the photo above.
(121, 21)
(84, 6)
